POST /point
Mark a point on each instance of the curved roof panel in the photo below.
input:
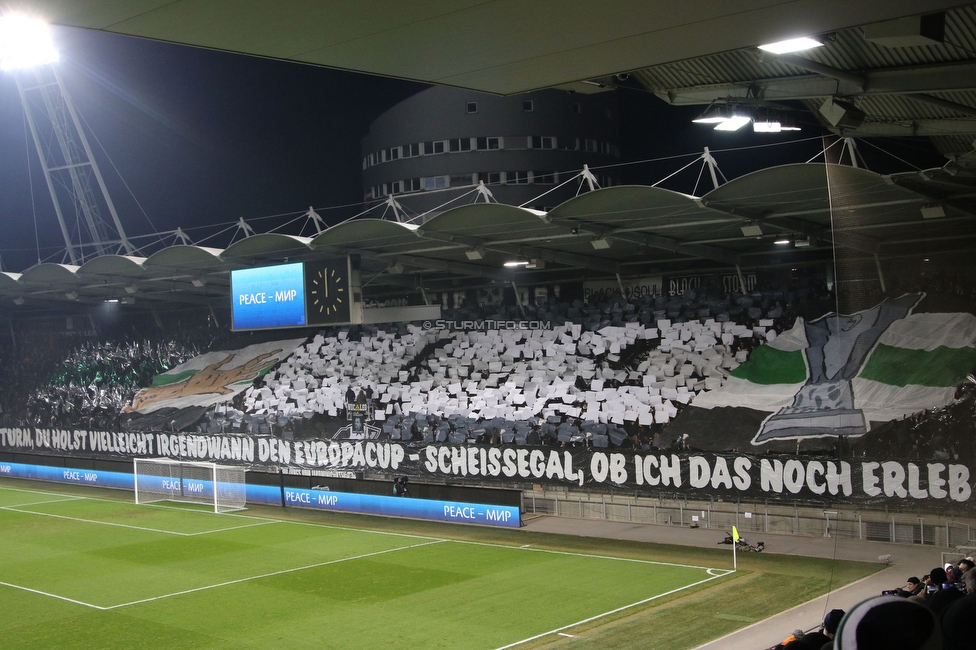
(267, 245)
(124, 265)
(376, 234)
(631, 205)
(799, 187)
(47, 273)
(9, 284)
(488, 221)
(184, 256)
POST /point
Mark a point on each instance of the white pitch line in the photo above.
(49, 595)
(588, 555)
(222, 530)
(604, 614)
(95, 521)
(268, 575)
(39, 503)
(240, 516)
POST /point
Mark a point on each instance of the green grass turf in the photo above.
(169, 577)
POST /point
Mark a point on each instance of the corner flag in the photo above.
(735, 534)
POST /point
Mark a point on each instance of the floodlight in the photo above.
(712, 115)
(803, 243)
(767, 127)
(751, 229)
(395, 268)
(474, 254)
(197, 282)
(791, 45)
(71, 295)
(25, 43)
(782, 241)
(516, 263)
(600, 244)
(932, 212)
(18, 301)
(734, 123)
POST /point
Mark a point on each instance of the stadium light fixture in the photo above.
(712, 115)
(516, 263)
(734, 123)
(791, 45)
(25, 43)
(783, 241)
(600, 244)
(724, 118)
(751, 229)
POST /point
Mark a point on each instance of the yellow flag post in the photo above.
(735, 543)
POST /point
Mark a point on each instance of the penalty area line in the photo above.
(559, 630)
(50, 595)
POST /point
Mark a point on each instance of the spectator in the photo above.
(889, 622)
(968, 575)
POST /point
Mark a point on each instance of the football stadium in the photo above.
(555, 376)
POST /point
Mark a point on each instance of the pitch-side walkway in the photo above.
(906, 560)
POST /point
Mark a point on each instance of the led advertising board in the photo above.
(268, 297)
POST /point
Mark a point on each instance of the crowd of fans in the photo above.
(50, 379)
(934, 613)
(608, 374)
(613, 373)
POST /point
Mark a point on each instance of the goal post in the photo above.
(164, 479)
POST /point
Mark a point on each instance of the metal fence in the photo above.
(754, 518)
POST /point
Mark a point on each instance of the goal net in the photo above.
(162, 479)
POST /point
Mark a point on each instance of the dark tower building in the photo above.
(443, 142)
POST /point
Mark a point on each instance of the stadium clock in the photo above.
(327, 292)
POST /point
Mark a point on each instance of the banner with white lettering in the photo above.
(894, 482)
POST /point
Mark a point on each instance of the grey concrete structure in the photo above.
(442, 142)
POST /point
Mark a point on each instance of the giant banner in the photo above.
(211, 378)
(893, 482)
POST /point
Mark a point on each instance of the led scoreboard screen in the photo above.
(291, 295)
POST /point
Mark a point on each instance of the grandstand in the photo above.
(789, 356)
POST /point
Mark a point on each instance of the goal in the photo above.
(163, 479)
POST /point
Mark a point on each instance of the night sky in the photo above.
(203, 137)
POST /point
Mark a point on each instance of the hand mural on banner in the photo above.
(212, 379)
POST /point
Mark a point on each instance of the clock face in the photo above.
(328, 294)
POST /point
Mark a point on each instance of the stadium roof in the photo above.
(501, 46)
(628, 230)
(907, 66)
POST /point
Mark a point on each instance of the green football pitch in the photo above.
(84, 571)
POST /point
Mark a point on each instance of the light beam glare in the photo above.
(25, 43)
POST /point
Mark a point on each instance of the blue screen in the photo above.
(270, 296)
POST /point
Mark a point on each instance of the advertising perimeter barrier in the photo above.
(429, 509)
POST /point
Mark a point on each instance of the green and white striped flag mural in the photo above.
(916, 365)
(837, 374)
(769, 379)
